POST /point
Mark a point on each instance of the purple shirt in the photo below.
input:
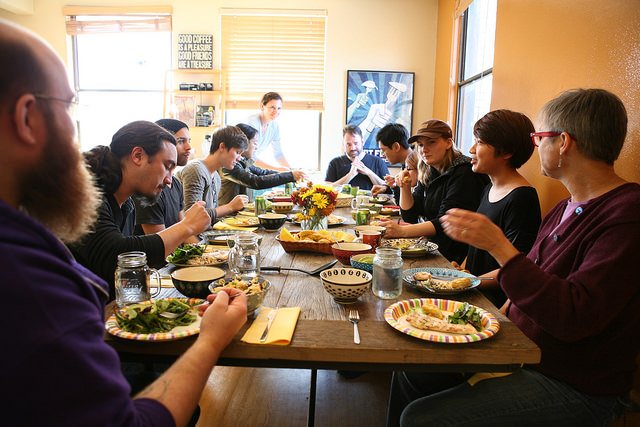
(577, 294)
(55, 368)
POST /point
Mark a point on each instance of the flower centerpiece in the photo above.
(317, 202)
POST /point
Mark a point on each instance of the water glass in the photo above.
(133, 279)
(244, 257)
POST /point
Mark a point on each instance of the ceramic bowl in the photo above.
(345, 284)
(363, 262)
(370, 228)
(254, 300)
(344, 251)
(282, 207)
(194, 281)
(272, 221)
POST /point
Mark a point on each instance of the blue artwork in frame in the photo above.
(375, 98)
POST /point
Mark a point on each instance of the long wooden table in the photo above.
(323, 337)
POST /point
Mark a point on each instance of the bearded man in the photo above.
(58, 368)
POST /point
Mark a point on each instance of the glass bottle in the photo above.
(260, 205)
(387, 273)
(132, 279)
(244, 257)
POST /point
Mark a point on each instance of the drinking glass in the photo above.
(244, 257)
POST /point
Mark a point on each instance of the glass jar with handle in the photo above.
(133, 279)
(387, 273)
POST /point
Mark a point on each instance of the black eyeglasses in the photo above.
(537, 136)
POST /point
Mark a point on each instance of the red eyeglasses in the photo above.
(537, 136)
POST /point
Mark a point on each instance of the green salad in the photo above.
(147, 318)
(183, 253)
(467, 314)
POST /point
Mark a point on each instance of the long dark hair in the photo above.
(106, 162)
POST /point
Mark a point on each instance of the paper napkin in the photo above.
(281, 330)
(220, 225)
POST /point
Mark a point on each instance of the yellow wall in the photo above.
(397, 35)
(544, 47)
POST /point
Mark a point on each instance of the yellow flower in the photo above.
(319, 201)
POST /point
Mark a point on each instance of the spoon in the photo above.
(311, 273)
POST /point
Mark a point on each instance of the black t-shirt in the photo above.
(518, 216)
(165, 211)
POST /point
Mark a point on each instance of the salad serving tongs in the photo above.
(311, 273)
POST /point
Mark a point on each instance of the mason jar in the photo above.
(244, 257)
(132, 279)
(387, 273)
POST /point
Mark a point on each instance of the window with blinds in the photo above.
(120, 56)
(279, 51)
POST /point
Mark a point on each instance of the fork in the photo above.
(354, 318)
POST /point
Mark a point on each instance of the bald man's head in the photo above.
(23, 52)
(44, 173)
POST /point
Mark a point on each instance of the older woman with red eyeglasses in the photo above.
(576, 294)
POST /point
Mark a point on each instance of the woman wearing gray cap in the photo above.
(445, 181)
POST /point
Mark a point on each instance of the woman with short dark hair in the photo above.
(501, 145)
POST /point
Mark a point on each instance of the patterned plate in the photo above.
(407, 276)
(176, 333)
(396, 314)
(422, 250)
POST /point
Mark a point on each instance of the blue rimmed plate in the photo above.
(445, 274)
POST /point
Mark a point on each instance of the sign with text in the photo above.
(195, 51)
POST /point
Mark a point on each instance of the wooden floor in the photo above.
(250, 397)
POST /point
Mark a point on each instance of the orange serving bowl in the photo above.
(344, 251)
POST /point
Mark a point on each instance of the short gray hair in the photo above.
(595, 118)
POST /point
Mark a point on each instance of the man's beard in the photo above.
(60, 192)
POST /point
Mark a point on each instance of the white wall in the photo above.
(385, 35)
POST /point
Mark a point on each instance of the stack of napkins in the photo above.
(220, 225)
(281, 330)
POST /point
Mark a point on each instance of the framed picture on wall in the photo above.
(375, 98)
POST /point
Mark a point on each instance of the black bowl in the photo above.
(194, 281)
(272, 221)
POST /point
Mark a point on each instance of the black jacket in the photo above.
(457, 187)
(245, 174)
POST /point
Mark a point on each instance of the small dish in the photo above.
(345, 284)
(344, 251)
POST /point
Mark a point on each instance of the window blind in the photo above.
(279, 52)
(92, 20)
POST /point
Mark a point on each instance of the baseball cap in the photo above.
(433, 129)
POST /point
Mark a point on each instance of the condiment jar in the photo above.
(387, 273)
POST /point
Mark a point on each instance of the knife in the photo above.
(272, 315)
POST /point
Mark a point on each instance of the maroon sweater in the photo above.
(577, 293)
